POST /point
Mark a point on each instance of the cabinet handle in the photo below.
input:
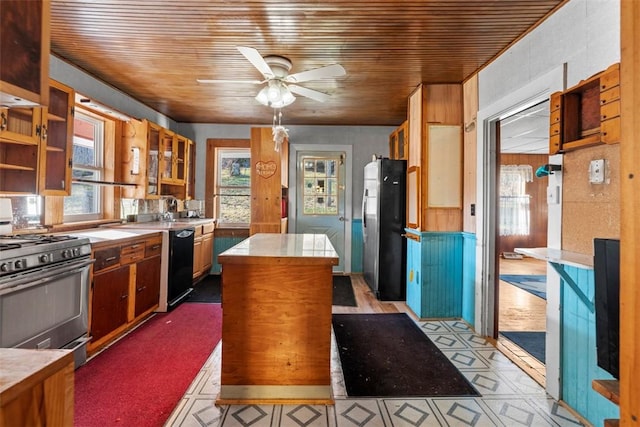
(125, 296)
(44, 132)
(3, 122)
(142, 289)
(111, 258)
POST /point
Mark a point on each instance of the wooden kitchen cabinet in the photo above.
(125, 287)
(36, 146)
(202, 250)
(155, 159)
(140, 159)
(398, 143)
(109, 302)
(24, 53)
(147, 285)
(56, 146)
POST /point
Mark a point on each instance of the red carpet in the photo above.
(140, 379)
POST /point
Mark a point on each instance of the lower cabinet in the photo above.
(110, 300)
(202, 250)
(125, 287)
(147, 285)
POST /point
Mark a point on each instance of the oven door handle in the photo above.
(52, 273)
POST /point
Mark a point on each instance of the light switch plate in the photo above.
(596, 171)
(553, 195)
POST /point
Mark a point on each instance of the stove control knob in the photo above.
(65, 253)
(44, 258)
(76, 251)
(4, 267)
(20, 263)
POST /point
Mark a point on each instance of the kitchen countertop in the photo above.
(99, 235)
(178, 224)
(265, 247)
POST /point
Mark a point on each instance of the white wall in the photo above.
(584, 35)
(366, 141)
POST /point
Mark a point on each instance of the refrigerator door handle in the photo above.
(364, 208)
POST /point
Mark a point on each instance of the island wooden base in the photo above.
(276, 330)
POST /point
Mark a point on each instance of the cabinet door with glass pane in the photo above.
(57, 139)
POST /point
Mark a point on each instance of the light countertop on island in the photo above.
(282, 248)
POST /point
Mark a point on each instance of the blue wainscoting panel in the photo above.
(356, 245)
(579, 358)
(221, 244)
(434, 274)
(469, 277)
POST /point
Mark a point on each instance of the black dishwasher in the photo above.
(180, 266)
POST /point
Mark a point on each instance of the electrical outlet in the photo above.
(596, 171)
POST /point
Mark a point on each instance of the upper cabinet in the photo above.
(398, 143)
(56, 155)
(586, 114)
(36, 144)
(434, 158)
(24, 53)
(155, 159)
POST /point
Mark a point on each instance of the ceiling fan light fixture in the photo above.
(275, 95)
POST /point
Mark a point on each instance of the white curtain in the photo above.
(514, 202)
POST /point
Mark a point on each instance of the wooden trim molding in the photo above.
(629, 218)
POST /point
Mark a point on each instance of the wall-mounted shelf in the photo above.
(586, 114)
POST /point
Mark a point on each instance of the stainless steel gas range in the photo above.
(44, 292)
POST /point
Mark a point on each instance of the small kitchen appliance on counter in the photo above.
(6, 217)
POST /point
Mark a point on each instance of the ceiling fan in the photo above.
(281, 85)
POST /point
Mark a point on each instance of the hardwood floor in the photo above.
(519, 311)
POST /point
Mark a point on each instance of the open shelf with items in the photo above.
(586, 114)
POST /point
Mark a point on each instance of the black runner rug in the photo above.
(208, 290)
(343, 291)
(388, 355)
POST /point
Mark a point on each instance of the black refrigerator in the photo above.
(383, 222)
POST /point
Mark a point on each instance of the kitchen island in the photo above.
(276, 324)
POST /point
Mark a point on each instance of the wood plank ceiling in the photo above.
(155, 50)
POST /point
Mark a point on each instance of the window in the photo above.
(233, 186)
(85, 201)
(514, 202)
(320, 190)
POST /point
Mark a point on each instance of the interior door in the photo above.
(320, 197)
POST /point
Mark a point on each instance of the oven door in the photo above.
(45, 308)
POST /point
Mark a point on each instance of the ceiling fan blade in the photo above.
(251, 82)
(257, 60)
(335, 70)
(309, 93)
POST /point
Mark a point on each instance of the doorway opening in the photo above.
(523, 145)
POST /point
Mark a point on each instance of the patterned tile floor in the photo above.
(509, 397)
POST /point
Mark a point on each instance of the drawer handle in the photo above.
(154, 247)
(135, 246)
(111, 258)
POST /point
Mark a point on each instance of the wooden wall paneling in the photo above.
(444, 104)
(266, 185)
(537, 189)
(590, 210)
(630, 220)
(470, 141)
